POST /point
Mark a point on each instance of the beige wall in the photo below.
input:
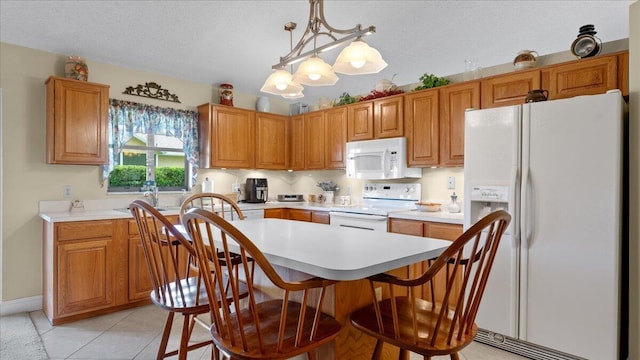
(634, 180)
(28, 179)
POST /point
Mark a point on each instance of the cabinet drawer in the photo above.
(300, 215)
(275, 213)
(84, 230)
(444, 231)
(133, 226)
(407, 227)
(321, 217)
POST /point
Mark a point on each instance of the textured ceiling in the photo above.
(238, 41)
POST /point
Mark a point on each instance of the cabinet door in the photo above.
(335, 138)
(422, 128)
(227, 137)
(86, 276)
(77, 121)
(623, 73)
(139, 279)
(272, 146)
(388, 118)
(510, 89)
(454, 100)
(360, 121)
(297, 142)
(314, 140)
(582, 77)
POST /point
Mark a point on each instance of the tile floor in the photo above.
(135, 334)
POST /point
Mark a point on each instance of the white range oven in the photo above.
(378, 200)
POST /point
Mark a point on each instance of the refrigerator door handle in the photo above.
(526, 186)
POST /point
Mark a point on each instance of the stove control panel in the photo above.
(392, 191)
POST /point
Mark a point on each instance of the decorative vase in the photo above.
(226, 94)
(536, 95)
(263, 104)
(328, 196)
(76, 68)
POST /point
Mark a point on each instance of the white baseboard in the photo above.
(21, 305)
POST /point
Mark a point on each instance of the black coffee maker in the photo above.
(256, 190)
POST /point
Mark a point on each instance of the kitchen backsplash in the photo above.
(434, 182)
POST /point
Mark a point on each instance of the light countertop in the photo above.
(437, 216)
(60, 211)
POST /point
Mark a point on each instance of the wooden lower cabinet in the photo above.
(92, 268)
(433, 230)
(80, 269)
(320, 217)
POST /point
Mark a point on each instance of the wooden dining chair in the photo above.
(271, 328)
(175, 287)
(219, 204)
(433, 328)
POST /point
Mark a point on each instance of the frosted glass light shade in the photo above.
(315, 72)
(297, 95)
(281, 82)
(359, 58)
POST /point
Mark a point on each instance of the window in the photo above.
(150, 145)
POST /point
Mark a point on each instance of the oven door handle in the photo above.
(358, 216)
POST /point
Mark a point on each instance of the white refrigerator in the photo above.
(556, 167)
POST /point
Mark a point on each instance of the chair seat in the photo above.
(270, 311)
(190, 300)
(364, 319)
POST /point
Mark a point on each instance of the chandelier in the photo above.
(356, 59)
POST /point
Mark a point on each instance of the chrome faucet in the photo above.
(153, 194)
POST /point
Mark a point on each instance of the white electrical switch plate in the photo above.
(451, 182)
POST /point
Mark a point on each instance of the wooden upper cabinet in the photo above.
(388, 118)
(509, 89)
(583, 77)
(314, 140)
(227, 137)
(623, 73)
(272, 141)
(335, 137)
(360, 121)
(454, 101)
(297, 142)
(422, 127)
(77, 122)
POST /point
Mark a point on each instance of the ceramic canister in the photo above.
(525, 59)
(263, 104)
(76, 68)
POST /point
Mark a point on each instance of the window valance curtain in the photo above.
(127, 118)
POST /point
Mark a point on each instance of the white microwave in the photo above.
(379, 159)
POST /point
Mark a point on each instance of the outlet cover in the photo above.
(67, 192)
(451, 182)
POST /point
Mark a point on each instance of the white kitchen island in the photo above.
(335, 253)
(345, 254)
